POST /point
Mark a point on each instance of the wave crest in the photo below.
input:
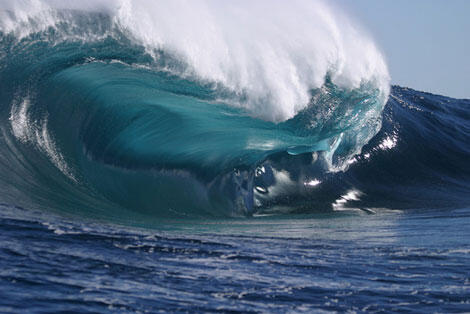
(269, 54)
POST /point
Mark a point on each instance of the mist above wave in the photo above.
(269, 54)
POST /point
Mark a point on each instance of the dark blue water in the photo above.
(128, 186)
(390, 261)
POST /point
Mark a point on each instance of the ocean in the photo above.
(192, 157)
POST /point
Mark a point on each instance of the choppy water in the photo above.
(391, 261)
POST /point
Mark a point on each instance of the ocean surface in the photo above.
(191, 157)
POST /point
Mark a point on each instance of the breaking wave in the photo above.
(200, 108)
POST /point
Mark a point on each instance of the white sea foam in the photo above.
(27, 130)
(274, 52)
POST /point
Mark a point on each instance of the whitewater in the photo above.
(231, 156)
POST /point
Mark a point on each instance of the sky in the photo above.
(426, 42)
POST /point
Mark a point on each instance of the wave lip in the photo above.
(269, 65)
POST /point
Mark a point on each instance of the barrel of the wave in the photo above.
(139, 116)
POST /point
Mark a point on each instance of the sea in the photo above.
(211, 156)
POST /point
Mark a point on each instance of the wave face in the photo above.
(186, 109)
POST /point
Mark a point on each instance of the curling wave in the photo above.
(118, 108)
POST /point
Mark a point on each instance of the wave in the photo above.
(130, 108)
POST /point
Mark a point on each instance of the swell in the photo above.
(418, 160)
